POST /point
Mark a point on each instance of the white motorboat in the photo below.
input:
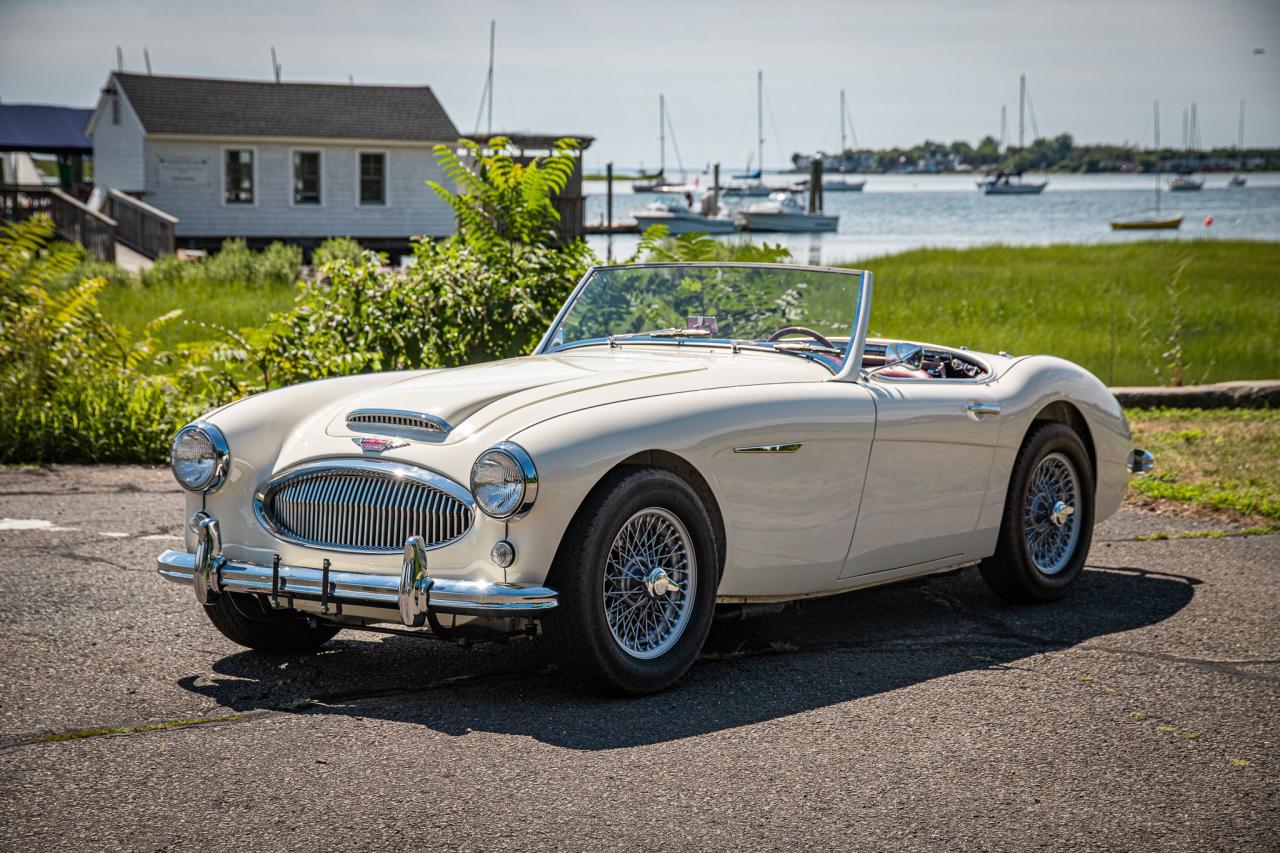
(673, 189)
(681, 220)
(833, 185)
(747, 189)
(783, 213)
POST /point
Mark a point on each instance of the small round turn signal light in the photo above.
(503, 554)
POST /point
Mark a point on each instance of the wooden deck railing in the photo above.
(74, 221)
(140, 226)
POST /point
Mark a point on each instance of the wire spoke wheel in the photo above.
(1049, 522)
(650, 582)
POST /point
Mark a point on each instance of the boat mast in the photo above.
(760, 122)
(842, 136)
(1240, 140)
(662, 134)
(1156, 109)
(1022, 109)
(493, 29)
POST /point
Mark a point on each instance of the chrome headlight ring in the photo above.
(213, 453)
(494, 475)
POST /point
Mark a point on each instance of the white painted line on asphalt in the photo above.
(31, 524)
(49, 526)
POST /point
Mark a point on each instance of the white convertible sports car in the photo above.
(685, 435)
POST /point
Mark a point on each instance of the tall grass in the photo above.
(1112, 309)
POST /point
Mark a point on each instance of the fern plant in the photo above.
(500, 201)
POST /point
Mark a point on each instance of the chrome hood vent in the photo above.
(360, 420)
(366, 506)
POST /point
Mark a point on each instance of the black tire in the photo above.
(250, 622)
(578, 631)
(1012, 572)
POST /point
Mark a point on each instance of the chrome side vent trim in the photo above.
(365, 506)
(401, 419)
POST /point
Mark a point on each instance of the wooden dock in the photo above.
(630, 227)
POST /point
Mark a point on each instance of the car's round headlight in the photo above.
(199, 457)
(504, 481)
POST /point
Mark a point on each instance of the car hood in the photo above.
(468, 399)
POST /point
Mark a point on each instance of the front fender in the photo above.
(1033, 384)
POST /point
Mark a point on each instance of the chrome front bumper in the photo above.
(406, 598)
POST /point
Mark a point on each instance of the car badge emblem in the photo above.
(379, 445)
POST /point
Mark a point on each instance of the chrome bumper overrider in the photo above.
(1140, 461)
(406, 598)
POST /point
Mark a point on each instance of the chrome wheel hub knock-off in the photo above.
(1050, 525)
(650, 580)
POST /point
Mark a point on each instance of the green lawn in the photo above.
(133, 306)
(1088, 304)
(1224, 459)
(1108, 308)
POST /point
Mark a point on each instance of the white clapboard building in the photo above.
(267, 161)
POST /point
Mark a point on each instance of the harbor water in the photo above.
(895, 213)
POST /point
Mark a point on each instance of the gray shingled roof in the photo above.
(200, 105)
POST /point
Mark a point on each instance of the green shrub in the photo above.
(117, 278)
(235, 264)
(336, 249)
(451, 306)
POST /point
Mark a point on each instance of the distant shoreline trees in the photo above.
(1051, 154)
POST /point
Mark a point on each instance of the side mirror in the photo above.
(903, 355)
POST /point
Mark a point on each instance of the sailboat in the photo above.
(1010, 182)
(1238, 180)
(1157, 222)
(657, 182)
(752, 183)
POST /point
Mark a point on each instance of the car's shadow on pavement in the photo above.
(814, 655)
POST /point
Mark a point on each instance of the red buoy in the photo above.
(1208, 220)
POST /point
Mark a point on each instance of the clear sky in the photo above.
(932, 69)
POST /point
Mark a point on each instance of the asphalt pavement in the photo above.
(1139, 713)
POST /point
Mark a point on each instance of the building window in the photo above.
(373, 178)
(306, 177)
(239, 171)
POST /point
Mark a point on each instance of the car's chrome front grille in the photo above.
(364, 505)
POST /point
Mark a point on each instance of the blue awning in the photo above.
(42, 129)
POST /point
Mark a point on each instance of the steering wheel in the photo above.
(801, 330)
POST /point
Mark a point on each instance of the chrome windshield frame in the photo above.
(851, 367)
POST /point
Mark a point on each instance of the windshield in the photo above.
(713, 304)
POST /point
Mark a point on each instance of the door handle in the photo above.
(977, 410)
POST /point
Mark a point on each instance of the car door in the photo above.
(927, 474)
